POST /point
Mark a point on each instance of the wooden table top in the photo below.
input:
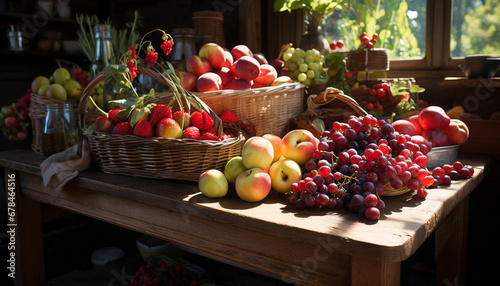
(404, 225)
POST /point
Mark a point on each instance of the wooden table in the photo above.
(306, 247)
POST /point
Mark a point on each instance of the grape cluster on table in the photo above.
(358, 161)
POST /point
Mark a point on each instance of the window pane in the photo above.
(475, 28)
(399, 24)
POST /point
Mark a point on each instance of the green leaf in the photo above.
(416, 89)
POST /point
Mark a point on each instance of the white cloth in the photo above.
(61, 167)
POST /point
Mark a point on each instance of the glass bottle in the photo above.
(103, 49)
(60, 128)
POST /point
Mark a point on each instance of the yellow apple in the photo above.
(257, 152)
(283, 173)
(213, 184)
(299, 145)
(253, 185)
(276, 142)
(234, 167)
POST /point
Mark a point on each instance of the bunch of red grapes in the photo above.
(380, 92)
(356, 161)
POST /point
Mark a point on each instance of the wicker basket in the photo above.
(270, 109)
(209, 28)
(367, 60)
(37, 114)
(157, 157)
(305, 121)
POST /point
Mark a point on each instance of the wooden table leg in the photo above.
(366, 271)
(25, 234)
(451, 246)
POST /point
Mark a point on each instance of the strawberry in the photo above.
(228, 117)
(201, 120)
(122, 128)
(209, 136)
(211, 130)
(143, 129)
(159, 112)
(191, 132)
(113, 115)
(227, 136)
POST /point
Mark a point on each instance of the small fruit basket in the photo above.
(159, 157)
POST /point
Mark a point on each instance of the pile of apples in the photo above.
(60, 85)
(158, 120)
(435, 125)
(266, 162)
(215, 68)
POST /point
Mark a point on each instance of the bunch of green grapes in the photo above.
(305, 66)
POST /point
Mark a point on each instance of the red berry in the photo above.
(373, 92)
(375, 36)
(365, 40)
(370, 45)
(201, 120)
(143, 129)
(381, 92)
(191, 132)
(379, 107)
(209, 136)
(386, 86)
(340, 44)
(369, 106)
(228, 117)
(122, 128)
(159, 112)
(332, 46)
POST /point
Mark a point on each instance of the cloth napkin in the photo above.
(61, 167)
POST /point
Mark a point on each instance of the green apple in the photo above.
(60, 75)
(38, 82)
(253, 185)
(73, 89)
(234, 167)
(42, 91)
(213, 184)
(57, 91)
(283, 173)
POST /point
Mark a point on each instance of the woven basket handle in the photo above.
(82, 106)
(329, 95)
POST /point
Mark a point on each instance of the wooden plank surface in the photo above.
(271, 236)
(404, 224)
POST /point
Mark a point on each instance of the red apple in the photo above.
(404, 127)
(226, 75)
(214, 54)
(229, 59)
(168, 128)
(209, 81)
(436, 137)
(240, 51)
(247, 68)
(260, 58)
(253, 185)
(267, 75)
(433, 117)
(414, 120)
(238, 84)
(188, 80)
(457, 132)
(277, 64)
(197, 65)
(299, 145)
(418, 139)
(283, 173)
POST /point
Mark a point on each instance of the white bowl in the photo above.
(149, 246)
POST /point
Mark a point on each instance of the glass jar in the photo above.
(60, 129)
(103, 49)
